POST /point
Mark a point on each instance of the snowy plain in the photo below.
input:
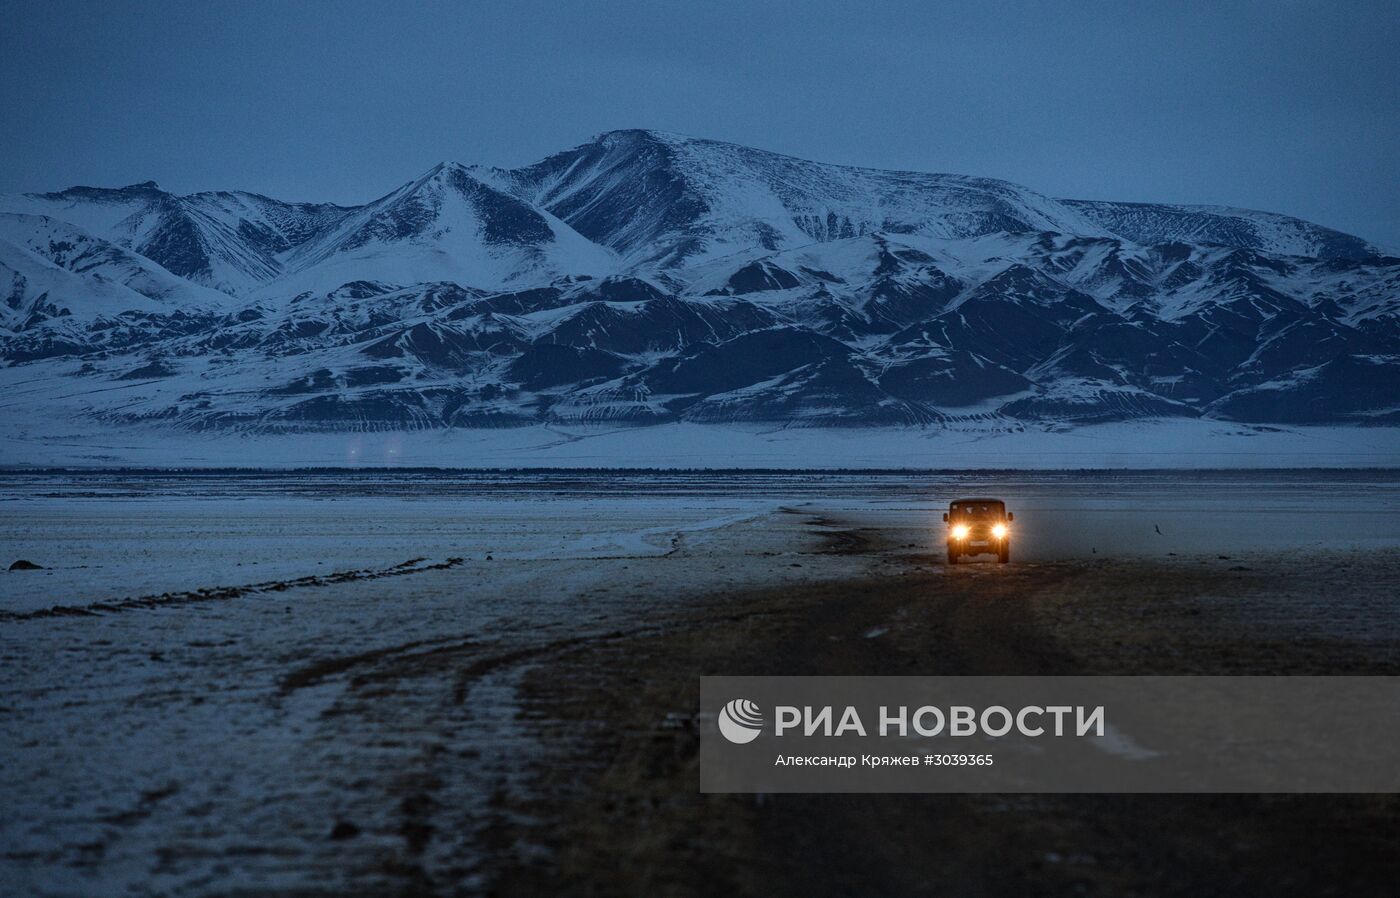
(213, 702)
(48, 441)
(163, 749)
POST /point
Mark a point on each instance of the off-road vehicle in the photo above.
(977, 527)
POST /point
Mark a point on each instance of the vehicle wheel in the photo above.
(1004, 555)
(952, 557)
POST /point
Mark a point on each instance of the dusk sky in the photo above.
(1286, 105)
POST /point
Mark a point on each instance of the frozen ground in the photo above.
(195, 743)
(104, 536)
(46, 441)
(284, 681)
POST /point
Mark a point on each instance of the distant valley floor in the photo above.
(989, 444)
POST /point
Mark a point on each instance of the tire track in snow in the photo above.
(224, 593)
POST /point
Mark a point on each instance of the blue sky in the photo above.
(1286, 105)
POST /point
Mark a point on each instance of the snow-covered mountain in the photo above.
(665, 200)
(228, 241)
(646, 277)
(1162, 223)
(446, 225)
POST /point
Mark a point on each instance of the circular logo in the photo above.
(740, 721)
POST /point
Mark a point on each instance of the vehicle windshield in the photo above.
(977, 510)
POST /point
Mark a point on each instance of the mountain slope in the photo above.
(228, 241)
(1223, 226)
(73, 249)
(670, 201)
(446, 225)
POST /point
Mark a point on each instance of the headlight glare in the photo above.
(960, 531)
(999, 531)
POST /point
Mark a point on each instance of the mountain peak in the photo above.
(448, 167)
(142, 191)
(668, 200)
(443, 171)
(625, 136)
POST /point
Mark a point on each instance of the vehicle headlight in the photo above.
(960, 531)
(999, 531)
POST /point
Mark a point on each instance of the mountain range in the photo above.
(646, 277)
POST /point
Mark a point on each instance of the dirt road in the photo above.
(624, 815)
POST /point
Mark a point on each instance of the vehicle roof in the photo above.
(975, 501)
